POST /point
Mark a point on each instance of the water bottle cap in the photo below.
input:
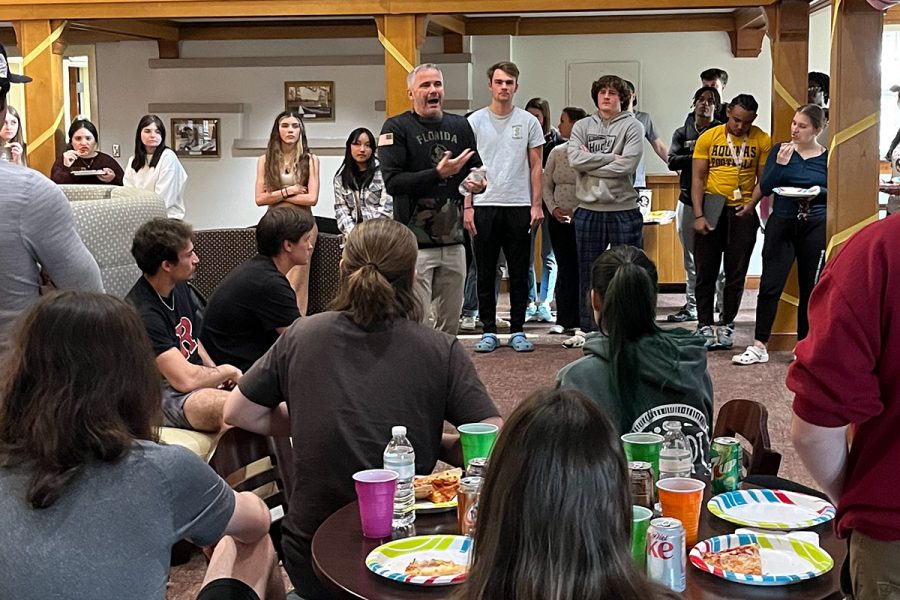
(398, 430)
(671, 425)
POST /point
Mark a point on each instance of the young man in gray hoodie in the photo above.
(604, 150)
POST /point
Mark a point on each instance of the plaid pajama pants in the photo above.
(596, 231)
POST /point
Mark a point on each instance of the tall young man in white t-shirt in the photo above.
(510, 142)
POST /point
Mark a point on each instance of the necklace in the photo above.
(90, 164)
(171, 308)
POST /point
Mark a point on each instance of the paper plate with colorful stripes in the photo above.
(391, 560)
(771, 509)
(784, 560)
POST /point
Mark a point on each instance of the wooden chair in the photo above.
(250, 462)
(750, 420)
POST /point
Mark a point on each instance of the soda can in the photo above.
(726, 458)
(477, 467)
(642, 483)
(666, 557)
(467, 504)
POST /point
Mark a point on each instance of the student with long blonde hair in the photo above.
(288, 173)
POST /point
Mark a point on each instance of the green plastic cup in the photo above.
(640, 521)
(477, 440)
(643, 447)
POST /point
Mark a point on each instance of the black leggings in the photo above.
(787, 239)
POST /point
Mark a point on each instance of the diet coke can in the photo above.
(666, 557)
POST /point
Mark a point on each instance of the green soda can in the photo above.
(726, 457)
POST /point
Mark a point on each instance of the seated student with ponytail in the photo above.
(338, 381)
(639, 374)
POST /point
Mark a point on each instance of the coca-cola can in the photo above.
(666, 557)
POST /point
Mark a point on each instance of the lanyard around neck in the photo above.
(738, 157)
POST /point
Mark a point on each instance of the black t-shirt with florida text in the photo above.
(409, 149)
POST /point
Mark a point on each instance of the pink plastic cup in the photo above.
(375, 490)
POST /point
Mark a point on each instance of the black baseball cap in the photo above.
(6, 78)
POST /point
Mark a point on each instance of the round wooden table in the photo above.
(339, 551)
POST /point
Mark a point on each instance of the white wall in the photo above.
(220, 191)
(820, 41)
(670, 69)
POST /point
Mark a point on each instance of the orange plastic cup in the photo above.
(681, 498)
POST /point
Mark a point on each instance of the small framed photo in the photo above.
(313, 99)
(195, 138)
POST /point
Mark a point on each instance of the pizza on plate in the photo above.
(434, 568)
(740, 559)
(438, 487)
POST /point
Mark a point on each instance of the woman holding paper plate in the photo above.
(82, 162)
(796, 173)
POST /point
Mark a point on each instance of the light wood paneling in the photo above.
(44, 95)
(403, 35)
(855, 66)
(168, 9)
(788, 29)
(661, 242)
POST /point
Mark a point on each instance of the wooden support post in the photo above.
(854, 108)
(44, 107)
(788, 30)
(401, 36)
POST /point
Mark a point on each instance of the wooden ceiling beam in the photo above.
(892, 15)
(444, 23)
(151, 30)
(752, 18)
(598, 25)
(361, 28)
(13, 10)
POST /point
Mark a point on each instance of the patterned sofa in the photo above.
(221, 250)
(106, 217)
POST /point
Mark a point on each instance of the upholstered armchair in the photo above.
(106, 218)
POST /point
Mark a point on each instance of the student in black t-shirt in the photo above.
(255, 303)
(192, 398)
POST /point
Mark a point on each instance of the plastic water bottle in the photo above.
(675, 455)
(400, 457)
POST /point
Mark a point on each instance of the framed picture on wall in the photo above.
(195, 138)
(313, 99)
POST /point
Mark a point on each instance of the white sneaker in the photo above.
(576, 341)
(502, 324)
(468, 323)
(557, 330)
(751, 356)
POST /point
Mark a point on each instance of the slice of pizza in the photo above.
(441, 486)
(434, 568)
(740, 559)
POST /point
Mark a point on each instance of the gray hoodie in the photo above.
(604, 182)
(674, 385)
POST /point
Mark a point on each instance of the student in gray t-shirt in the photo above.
(650, 133)
(91, 504)
(511, 143)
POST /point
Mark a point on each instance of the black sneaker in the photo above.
(684, 314)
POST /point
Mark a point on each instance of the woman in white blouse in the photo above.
(155, 167)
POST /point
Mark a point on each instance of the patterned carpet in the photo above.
(510, 377)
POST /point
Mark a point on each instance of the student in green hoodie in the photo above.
(639, 374)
